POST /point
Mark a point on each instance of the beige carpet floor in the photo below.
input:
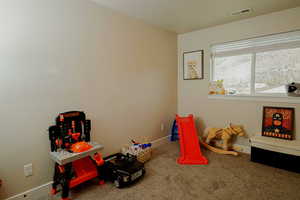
(225, 178)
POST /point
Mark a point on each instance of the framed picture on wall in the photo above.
(278, 122)
(193, 65)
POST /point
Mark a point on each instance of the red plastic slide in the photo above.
(190, 152)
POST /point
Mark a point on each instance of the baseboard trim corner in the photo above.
(41, 192)
(243, 148)
(160, 141)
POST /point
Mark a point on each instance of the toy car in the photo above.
(122, 169)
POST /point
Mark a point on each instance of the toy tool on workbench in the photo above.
(76, 158)
(190, 152)
(71, 132)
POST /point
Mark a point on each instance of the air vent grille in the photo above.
(241, 12)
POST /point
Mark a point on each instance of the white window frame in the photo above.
(253, 96)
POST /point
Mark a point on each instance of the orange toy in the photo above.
(79, 147)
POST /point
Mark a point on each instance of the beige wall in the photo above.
(192, 95)
(61, 55)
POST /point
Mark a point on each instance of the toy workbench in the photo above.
(81, 163)
(76, 158)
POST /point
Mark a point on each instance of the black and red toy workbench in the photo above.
(76, 158)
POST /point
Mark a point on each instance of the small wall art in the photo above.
(193, 65)
(278, 122)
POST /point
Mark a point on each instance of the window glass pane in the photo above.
(236, 73)
(274, 69)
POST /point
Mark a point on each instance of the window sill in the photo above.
(281, 99)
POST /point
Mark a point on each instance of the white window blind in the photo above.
(260, 44)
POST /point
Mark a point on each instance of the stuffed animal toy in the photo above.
(216, 87)
(224, 134)
(293, 89)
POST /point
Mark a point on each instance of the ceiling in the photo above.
(183, 16)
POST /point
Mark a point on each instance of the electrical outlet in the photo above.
(162, 127)
(28, 170)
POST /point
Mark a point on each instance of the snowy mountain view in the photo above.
(273, 69)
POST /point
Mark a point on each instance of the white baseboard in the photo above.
(160, 141)
(243, 148)
(163, 140)
(41, 192)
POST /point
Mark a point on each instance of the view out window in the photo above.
(235, 71)
(260, 66)
(274, 69)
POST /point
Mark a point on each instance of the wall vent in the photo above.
(242, 12)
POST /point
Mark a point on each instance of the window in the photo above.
(235, 71)
(259, 66)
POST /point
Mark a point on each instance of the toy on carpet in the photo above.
(224, 134)
(71, 136)
(122, 170)
(190, 152)
(142, 151)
